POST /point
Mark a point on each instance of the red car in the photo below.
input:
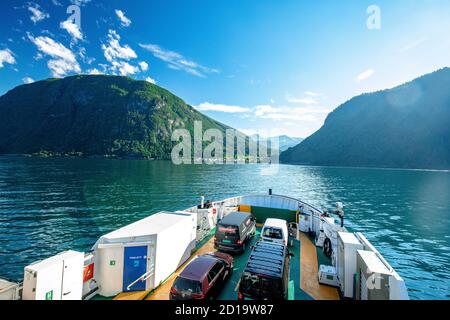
(203, 277)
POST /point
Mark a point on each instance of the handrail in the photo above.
(143, 277)
(374, 250)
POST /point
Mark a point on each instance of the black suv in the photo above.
(266, 275)
(234, 232)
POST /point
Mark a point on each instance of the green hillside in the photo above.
(404, 127)
(94, 116)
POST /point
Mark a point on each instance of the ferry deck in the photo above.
(303, 283)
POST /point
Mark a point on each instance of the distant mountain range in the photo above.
(285, 142)
(404, 127)
(94, 115)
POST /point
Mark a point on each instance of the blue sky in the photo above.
(268, 66)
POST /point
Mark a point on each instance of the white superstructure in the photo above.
(143, 254)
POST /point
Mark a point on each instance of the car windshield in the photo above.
(228, 230)
(187, 285)
(274, 233)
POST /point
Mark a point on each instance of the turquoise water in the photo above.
(50, 205)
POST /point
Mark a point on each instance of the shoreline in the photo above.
(137, 158)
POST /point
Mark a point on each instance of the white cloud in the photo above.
(152, 81)
(84, 57)
(36, 14)
(72, 29)
(94, 71)
(268, 133)
(365, 75)
(276, 113)
(272, 120)
(206, 106)
(61, 67)
(119, 56)
(124, 68)
(176, 61)
(114, 50)
(63, 60)
(6, 56)
(28, 80)
(123, 19)
(264, 109)
(80, 3)
(143, 65)
(295, 114)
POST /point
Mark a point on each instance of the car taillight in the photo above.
(198, 296)
(240, 296)
(173, 291)
(239, 242)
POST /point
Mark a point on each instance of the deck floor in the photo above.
(309, 275)
(303, 275)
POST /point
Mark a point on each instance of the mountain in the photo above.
(404, 127)
(94, 115)
(285, 142)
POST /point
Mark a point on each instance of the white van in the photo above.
(275, 230)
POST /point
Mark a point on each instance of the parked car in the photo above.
(266, 275)
(234, 232)
(275, 230)
(203, 277)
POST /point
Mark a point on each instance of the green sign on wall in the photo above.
(49, 295)
(112, 262)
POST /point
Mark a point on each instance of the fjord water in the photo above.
(51, 205)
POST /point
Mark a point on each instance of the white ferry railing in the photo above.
(374, 250)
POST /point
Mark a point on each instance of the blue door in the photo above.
(134, 266)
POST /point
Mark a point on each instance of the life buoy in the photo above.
(327, 248)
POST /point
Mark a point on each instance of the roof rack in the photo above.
(267, 259)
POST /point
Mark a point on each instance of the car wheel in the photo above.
(327, 248)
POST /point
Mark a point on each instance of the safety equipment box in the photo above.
(142, 255)
(373, 277)
(328, 276)
(57, 278)
(348, 244)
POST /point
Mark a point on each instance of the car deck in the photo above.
(303, 283)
